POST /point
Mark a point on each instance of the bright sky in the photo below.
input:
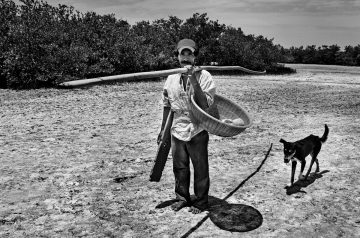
(289, 22)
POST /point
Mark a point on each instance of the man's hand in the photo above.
(192, 71)
(199, 95)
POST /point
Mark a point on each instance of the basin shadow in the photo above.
(234, 217)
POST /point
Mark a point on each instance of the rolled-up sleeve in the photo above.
(208, 86)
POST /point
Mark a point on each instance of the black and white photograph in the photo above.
(167, 119)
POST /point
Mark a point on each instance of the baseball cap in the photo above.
(186, 44)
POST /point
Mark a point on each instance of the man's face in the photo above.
(186, 57)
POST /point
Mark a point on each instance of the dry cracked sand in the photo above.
(76, 163)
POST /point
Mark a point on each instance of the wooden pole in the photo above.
(143, 75)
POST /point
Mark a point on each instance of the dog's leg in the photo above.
(317, 166)
(314, 154)
(301, 176)
(293, 167)
(313, 159)
(311, 164)
(316, 159)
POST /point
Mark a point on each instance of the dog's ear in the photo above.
(282, 141)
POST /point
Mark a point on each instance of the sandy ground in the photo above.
(76, 163)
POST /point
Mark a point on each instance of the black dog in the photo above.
(298, 150)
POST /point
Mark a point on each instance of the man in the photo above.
(188, 140)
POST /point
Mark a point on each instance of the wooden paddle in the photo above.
(163, 150)
(144, 75)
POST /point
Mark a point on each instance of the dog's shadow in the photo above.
(298, 185)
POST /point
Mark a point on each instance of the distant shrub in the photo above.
(8, 11)
(46, 45)
(42, 45)
(331, 55)
(280, 69)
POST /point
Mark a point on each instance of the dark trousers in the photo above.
(197, 150)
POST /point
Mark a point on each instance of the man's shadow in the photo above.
(298, 185)
(226, 216)
(230, 217)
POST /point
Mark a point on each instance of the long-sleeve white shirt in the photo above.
(184, 126)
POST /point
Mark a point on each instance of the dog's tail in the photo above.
(325, 136)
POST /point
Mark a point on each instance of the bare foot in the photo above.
(178, 205)
(194, 210)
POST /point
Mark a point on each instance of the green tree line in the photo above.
(332, 55)
(44, 45)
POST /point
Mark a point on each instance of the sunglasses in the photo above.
(186, 53)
